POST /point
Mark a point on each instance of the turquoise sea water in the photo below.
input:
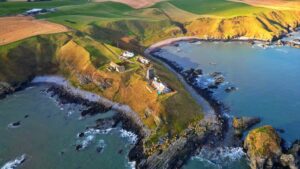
(48, 135)
(267, 80)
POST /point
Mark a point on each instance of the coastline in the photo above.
(203, 97)
(86, 96)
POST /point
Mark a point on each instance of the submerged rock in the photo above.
(14, 124)
(263, 147)
(5, 89)
(230, 89)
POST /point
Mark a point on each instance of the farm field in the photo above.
(16, 28)
(275, 4)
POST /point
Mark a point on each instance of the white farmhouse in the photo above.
(143, 60)
(128, 54)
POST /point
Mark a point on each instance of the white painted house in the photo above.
(128, 54)
(160, 87)
(143, 60)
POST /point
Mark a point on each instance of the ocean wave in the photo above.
(220, 155)
(14, 163)
(132, 138)
(132, 164)
(92, 131)
(87, 141)
(88, 137)
(100, 146)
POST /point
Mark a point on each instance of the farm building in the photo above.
(117, 67)
(36, 11)
(143, 60)
(160, 87)
(127, 54)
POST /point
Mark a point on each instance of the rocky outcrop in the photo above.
(288, 160)
(295, 151)
(181, 149)
(240, 124)
(5, 89)
(263, 147)
(264, 150)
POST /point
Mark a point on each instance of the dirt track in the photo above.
(276, 4)
(19, 27)
(134, 3)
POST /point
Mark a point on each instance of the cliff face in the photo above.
(264, 26)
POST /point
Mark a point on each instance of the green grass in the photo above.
(13, 8)
(215, 7)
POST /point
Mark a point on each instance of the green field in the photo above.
(215, 7)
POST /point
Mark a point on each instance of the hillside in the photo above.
(85, 65)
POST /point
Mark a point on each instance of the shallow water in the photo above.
(267, 80)
(49, 134)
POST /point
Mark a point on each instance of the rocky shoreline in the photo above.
(173, 157)
(239, 124)
(96, 104)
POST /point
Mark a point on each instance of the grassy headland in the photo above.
(101, 31)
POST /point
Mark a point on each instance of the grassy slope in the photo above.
(83, 56)
(216, 7)
(11, 8)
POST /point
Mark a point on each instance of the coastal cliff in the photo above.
(262, 26)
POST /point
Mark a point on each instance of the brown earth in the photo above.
(276, 4)
(134, 3)
(20, 27)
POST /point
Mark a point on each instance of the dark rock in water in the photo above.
(99, 149)
(280, 130)
(5, 89)
(15, 124)
(215, 74)
(230, 89)
(94, 109)
(288, 160)
(120, 151)
(106, 123)
(219, 80)
(295, 149)
(26, 116)
(244, 123)
(78, 147)
(80, 135)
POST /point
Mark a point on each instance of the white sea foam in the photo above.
(282, 50)
(204, 81)
(11, 125)
(14, 163)
(132, 164)
(132, 138)
(87, 141)
(220, 155)
(93, 131)
(101, 144)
